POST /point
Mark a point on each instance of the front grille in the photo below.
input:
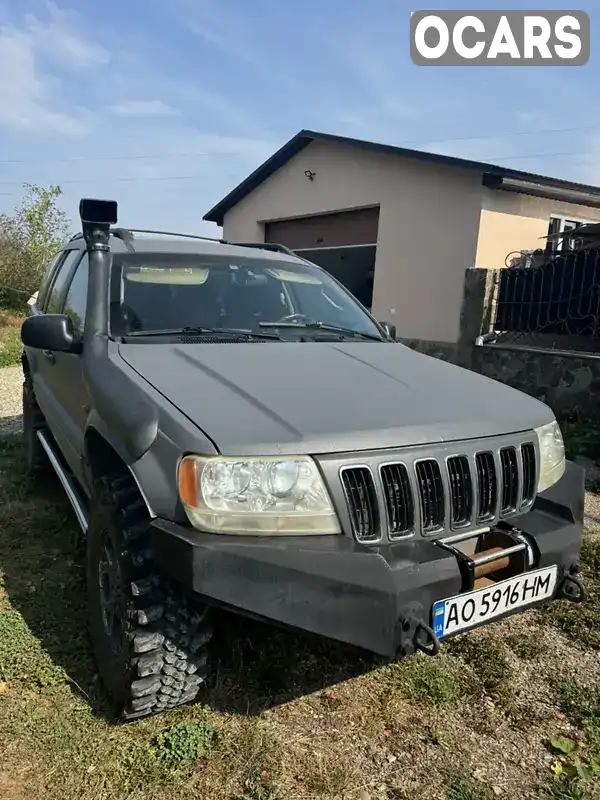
(428, 495)
(487, 486)
(528, 460)
(431, 494)
(359, 488)
(398, 499)
(510, 479)
(461, 490)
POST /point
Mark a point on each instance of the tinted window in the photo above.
(155, 292)
(54, 305)
(47, 277)
(76, 299)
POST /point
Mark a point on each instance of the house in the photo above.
(399, 227)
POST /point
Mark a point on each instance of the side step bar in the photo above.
(67, 484)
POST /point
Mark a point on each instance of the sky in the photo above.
(166, 105)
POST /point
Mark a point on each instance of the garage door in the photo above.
(326, 230)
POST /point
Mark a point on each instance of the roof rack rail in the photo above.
(125, 235)
(172, 233)
(273, 246)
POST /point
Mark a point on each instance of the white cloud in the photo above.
(221, 27)
(166, 158)
(31, 55)
(59, 39)
(26, 100)
(143, 108)
(529, 118)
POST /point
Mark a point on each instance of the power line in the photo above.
(72, 159)
(502, 135)
(145, 178)
(539, 155)
(509, 134)
(139, 179)
(129, 179)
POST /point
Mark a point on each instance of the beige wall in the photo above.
(428, 226)
(511, 221)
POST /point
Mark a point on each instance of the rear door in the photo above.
(67, 384)
(36, 301)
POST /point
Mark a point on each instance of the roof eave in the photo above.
(493, 176)
(260, 174)
(550, 189)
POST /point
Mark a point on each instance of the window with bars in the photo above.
(564, 225)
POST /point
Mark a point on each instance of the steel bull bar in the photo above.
(499, 553)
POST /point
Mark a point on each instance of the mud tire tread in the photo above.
(33, 421)
(160, 619)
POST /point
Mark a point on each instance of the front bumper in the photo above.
(377, 598)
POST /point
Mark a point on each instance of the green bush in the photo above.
(10, 348)
(28, 240)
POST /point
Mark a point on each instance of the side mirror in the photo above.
(389, 329)
(50, 332)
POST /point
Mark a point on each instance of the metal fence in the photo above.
(554, 305)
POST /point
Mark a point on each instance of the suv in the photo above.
(320, 481)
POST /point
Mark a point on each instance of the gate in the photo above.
(553, 305)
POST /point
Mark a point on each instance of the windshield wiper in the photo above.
(199, 330)
(323, 326)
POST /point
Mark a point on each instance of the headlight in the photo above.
(552, 455)
(255, 495)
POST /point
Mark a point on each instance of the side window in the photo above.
(76, 299)
(46, 279)
(54, 304)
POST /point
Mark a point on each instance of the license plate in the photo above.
(479, 607)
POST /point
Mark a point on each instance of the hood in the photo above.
(308, 398)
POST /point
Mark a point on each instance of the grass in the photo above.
(526, 646)
(467, 788)
(488, 661)
(581, 623)
(10, 337)
(577, 756)
(286, 717)
(434, 681)
(582, 439)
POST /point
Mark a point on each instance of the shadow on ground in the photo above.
(12, 425)
(42, 559)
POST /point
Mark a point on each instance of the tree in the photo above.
(28, 240)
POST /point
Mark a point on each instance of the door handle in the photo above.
(49, 356)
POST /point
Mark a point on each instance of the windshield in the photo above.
(151, 292)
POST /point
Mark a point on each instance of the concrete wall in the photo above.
(569, 382)
(428, 226)
(511, 221)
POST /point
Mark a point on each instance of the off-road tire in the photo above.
(33, 421)
(162, 657)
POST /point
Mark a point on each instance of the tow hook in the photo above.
(426, 640)
(415, 633)
(572, 587)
